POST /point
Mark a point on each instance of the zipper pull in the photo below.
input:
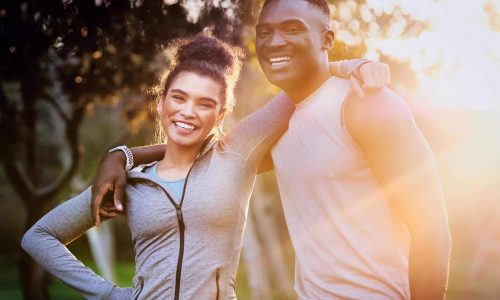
(217, 278)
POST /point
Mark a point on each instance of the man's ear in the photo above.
(328, 39)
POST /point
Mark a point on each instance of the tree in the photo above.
(57, 58)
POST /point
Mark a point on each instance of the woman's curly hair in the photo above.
(205, 56)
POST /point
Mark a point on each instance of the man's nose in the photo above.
(277, 40)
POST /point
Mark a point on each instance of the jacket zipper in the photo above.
(182, 227)
(217, 277)
(141, 284)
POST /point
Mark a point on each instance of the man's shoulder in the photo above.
(379, 114)
(383, 105)
(331, 92)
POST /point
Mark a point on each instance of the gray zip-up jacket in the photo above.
(184, 248)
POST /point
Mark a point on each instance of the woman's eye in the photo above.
(178, 98)
(206, 105)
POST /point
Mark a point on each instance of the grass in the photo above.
(10, 287)
(484, 288)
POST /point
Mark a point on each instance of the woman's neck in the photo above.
(177, 161)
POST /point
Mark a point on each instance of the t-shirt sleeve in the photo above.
(257, 132)
(46, 242)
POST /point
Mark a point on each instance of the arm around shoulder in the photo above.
(257, 132)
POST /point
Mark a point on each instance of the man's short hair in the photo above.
(320, 4)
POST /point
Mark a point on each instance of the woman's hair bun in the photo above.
(210, 50)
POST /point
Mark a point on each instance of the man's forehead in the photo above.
(278, 11)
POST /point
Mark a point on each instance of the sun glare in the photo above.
(456, 57)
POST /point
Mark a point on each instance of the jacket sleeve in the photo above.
(252, 137)
(345, 68)
(46, 242)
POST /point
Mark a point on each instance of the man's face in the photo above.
(290, 42)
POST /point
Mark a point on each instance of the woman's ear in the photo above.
(159, 105)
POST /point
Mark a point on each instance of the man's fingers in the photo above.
(96, 202)
(357, 87)
(118, 196)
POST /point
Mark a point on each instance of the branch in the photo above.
(59, 109)
(72, 128)
(21, 183)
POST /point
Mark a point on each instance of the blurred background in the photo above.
(74, 77)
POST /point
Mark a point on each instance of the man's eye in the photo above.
(178, 98)
(292, 29)
(263, 33)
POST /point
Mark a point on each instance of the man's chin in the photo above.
(283, 82)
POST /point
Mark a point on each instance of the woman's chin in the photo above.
(185, 142)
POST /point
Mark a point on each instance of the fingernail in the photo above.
(119, 206)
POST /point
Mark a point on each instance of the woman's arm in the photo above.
(254, 135)
(46, 241)
(261, 128)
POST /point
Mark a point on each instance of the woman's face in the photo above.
(192, 107)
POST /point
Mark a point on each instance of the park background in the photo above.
(74, 80)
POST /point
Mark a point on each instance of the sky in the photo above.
(456, 56)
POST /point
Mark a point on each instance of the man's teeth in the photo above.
(185, 126)
(279, 60)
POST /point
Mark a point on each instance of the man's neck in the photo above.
(299, 92)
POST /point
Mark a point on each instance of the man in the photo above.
(358, 183)
(355, 175)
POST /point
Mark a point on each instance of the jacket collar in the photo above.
(208, 144)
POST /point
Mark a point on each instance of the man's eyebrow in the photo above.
(286, 21)
(293, 21)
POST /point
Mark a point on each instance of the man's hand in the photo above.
(370, 76)
(111, 178)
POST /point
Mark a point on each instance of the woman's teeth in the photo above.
(185, 126)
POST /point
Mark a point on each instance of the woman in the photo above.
(186, 220)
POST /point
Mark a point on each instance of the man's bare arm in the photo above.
(403, 164)
(111, 178)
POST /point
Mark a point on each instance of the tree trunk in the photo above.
(102, 246)
(269, 237)
(257, 273)
(26, 182)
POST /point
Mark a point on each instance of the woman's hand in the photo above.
(369, 76)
